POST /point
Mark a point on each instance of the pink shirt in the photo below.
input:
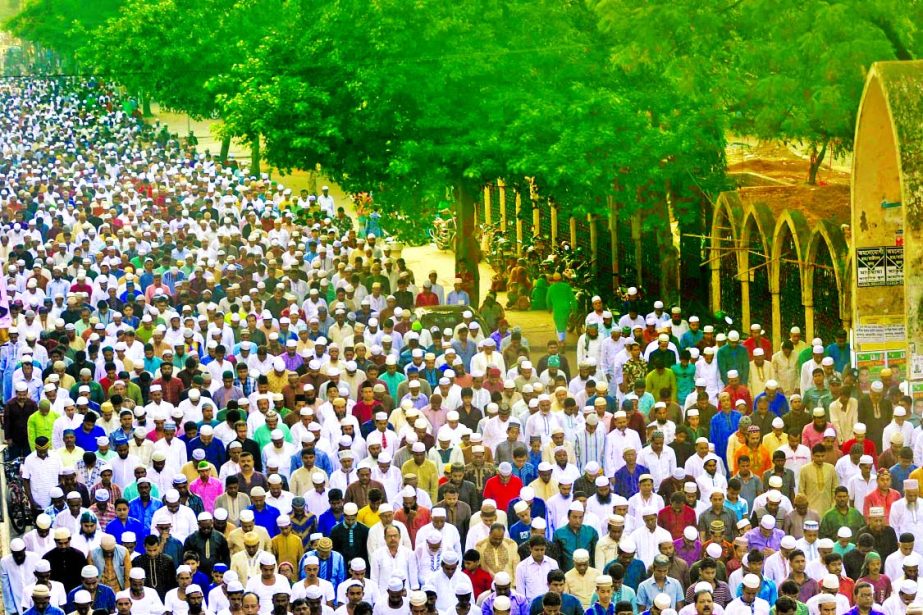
(208, 491)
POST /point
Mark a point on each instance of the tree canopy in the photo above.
(788, 71)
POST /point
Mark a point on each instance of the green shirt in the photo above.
(40, 425)
(833, 520)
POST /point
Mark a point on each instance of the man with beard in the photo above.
(208, 544)
(195, 599)
(145, 600)
(16, 571)
(66, 561)
(159, 569)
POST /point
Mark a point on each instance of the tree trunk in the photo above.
(255, 156)
(225, 148)
(467, 250)
(817, 159)
(146, 105)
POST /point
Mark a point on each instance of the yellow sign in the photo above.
(881, 333)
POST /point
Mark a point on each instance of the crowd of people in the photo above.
(225, 403)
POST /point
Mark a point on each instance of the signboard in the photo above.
(870, 267)
(916, 367)
(880, 332)
(894, 266)
(873, 361)
(897, 359)
(881, 266)
(916, 390)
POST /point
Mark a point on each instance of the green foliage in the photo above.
(179, 51)
(777, 70)
(61, 25)
(409, 98)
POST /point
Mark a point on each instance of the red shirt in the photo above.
(502, 494)
(751, 345)
(876, 498)
(364, 411)
(481, 580)
(427, 299)
(868, 447)
(171, 388)
(675, 523)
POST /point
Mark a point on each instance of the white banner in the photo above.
(5, 320)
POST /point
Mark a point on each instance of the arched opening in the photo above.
(825, 292)
(791, 303)
(729, 284)
(757, 263)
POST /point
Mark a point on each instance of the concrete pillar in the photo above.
(501, 185)
(554, 224)
(776, 319)
(487, 213)
(518, 223)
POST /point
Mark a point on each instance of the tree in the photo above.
(414, 99)
(790, 71)
(61, 25)
(181, 52)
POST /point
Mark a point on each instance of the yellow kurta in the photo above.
(548, 452)
(301, 480)
(245, 566)
(544, 490)
(818, 484)
(288, 548)
(772, 442)
(583, 586)
(606, 551)
(498, 559)
(69, 459)
(236, 539)
(427, 475)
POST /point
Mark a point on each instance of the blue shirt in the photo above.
(634, 572)
(144, 514)
(778, 405)
(214, 450)
(569, 605)
(457, 297)
(267, 518)
(767, 591)
(839, 355)
(50, 610)
(899, 475)
(538, 510)
(332, 569)
(527, 473)
(105, 598)
(117, 527)
(520, 532)
(721, 429)
(597, 609)
(626, 482)
(327, 521)
(648, 590)
(87, 441)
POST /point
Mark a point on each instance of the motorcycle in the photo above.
(443, 233)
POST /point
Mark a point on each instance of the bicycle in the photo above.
(20, 510)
